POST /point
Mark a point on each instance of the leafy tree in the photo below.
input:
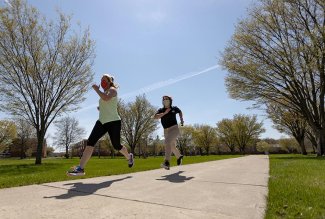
(239, 132)
(277, 54)
(49, 151)
(184, 140)
(226, 133)
(289, 122)
(7, 134)
(289, 144)
(137, 121)
(246, 129)
(204, 136)
(263, 146)
(45, 67)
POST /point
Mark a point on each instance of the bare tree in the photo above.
(143, 147)
(137, 121)
(157, 145)
(278, 54)
(45, 67)
(24, 132)
(68, 132)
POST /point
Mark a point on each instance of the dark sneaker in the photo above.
(76, 171)
(180, 160)
(165, 165)
(131, 160)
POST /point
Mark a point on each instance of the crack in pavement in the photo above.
(230, 183)
(160, 204)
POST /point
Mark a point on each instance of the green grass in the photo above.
(14, 172)
(296, 187)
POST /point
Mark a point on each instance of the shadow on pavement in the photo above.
(176, 177)
(81, 189)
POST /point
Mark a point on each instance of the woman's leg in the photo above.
(86, 156)
(97, 132)
(125, 152)
(114, 131)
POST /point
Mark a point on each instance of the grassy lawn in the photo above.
(14, 172)
(296, 187)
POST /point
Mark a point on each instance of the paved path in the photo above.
(232, 188)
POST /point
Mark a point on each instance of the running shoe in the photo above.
(131, 160)
(165, 165)
(76, 171)
(180, 160)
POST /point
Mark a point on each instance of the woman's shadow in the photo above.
(176, 177)
(81, 189)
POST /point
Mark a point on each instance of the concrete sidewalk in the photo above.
(232, 188)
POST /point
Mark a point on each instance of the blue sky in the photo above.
(144, 42)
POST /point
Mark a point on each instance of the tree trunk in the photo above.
(132, 149)
(40, 141)
(232, 149)
(302, 146)
(321, 142)
(154, 150)
(112, 154)
(314, 146)
(301, 142)
(314, 149)
(66, 152)
(21, 153)
(22, 150)
(242, 149)
(313, 141)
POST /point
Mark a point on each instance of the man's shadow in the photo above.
(176, 177)
(80, 189)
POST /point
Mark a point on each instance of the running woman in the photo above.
(167, 114)
(109, 121)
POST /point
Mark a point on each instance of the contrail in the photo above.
(161, 84)
(8, 3)
(158, 85)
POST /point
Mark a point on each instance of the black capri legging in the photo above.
(113, 129)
